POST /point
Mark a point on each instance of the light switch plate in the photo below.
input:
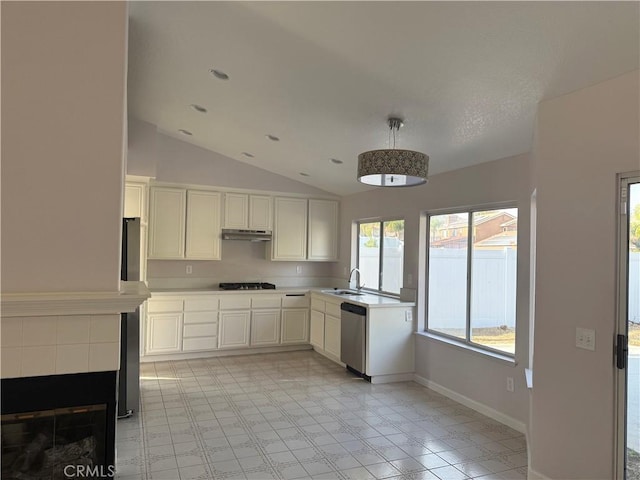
(585, 338)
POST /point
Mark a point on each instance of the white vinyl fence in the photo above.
(493, 280)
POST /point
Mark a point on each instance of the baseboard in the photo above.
(222, 353)
(472, 404)
(533, 475)
(391, 378)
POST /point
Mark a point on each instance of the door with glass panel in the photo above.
(628, 334)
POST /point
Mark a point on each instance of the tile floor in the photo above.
(298, 415)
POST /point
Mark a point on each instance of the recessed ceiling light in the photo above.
(185, 132)
(336, 161)
(247, 154)
(304, 174)
(273, 138)
(219, 74)
(198, 108)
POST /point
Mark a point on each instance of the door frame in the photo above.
(622, 254)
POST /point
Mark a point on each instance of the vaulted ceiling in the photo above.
(324, 76)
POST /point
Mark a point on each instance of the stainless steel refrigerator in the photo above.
(129, 375)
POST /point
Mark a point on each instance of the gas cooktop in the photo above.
(247, 286)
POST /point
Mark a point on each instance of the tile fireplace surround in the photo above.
(60, 356)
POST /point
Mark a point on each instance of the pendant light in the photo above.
(393, 167)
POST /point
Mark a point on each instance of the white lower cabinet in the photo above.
(265, 327)
(200, 331)
(195, 322)
(295, 325)
(332, 335)
(234, 329)
(325, 326)
(317, 329)
(164, 333)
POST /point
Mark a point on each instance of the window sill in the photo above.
(507, 359)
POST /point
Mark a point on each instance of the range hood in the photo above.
(242, 234)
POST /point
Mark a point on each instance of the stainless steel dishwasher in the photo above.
(352, 337)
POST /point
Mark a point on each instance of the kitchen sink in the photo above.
(342, 292)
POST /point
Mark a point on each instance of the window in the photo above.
(471, 277)
(381, 255)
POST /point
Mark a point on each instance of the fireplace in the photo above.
(59, 426)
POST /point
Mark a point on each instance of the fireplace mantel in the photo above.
(130, 296)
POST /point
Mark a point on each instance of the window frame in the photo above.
(381, 222)
(466, 342)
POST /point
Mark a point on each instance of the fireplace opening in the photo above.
(59, 426)
(51, 444)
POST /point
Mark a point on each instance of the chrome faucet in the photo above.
(358, 286)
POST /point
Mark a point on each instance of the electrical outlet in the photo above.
(586, 338)
(189, 269)
(298, 269)
(408, 316)
(510, 386)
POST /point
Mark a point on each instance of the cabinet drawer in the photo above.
(295, 301)
(200, 317)
(201, 304)
(201, 330)
(164, 305)
(332, 309)
(264, 301)
(234, 302)
(317, 305)
(204, 343)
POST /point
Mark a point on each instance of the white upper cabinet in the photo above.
(259, 212)
(167, 215)
(323, 230)
(290, 229)
(203, 225)
(247, 211)
(184, 226)
(305, 230)
(135, 201)
(236, 210)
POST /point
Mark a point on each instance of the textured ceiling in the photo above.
(324, 76)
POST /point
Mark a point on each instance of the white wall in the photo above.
(583, 140)
(63, 105)
(473, 375)
(154, 154)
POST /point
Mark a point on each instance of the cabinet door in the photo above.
(332, 335)
(295, 325)
(265, 327)
(203, 225)
(323, 230)
(167, 222)
(135, 201)
(317, 329)
(234, 329)
(164, 332)
(259, 212)
(235, 210)
(290, 229)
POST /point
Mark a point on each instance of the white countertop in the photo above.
(210, 290)
(365, 299)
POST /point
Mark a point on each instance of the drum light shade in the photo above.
(393, 167)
